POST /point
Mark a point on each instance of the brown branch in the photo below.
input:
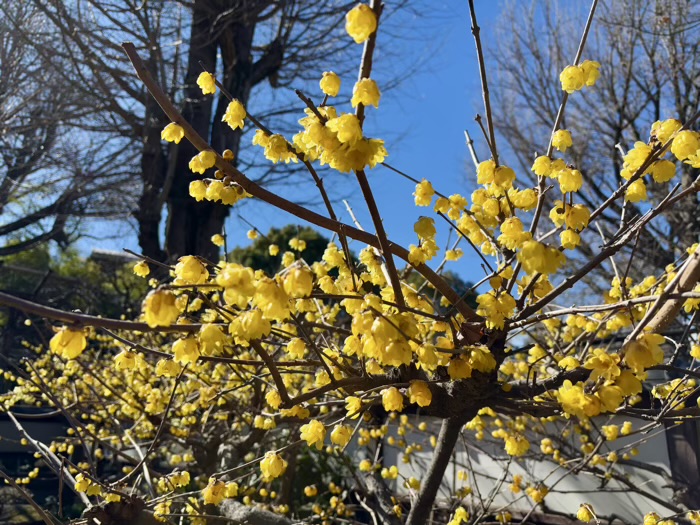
(87, 320)
(476, 30)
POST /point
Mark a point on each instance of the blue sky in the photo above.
(422, 120)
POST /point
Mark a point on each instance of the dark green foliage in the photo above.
(258, 257)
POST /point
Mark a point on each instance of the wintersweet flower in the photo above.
(353, 405)
(419, 393)
(125, 360)
(330, 84)
(516, 445)
(235, 115)
(198, 190)
(636, 192)
(360, 23)
(603, 364)
(272, 466)
(159, 308)
(347, 127)
(366, 93)
(425, 228)
(142, 269)
(562, 140)
(214, 493)
(570, 180)
(585, 513)
(207, 83)
(542, 166)
(341, 435)
(685, 144)
(202, 161)
(172, 133)
(68, 343)
(392, 400)
(314, 433)
(167, 368)
(644, 352)
(569, 239)
(591, 71)
(298, 282)
(572, 79)
(663, 170)
(424, 193)
(663, 130)
(190, 270)
(186, 350)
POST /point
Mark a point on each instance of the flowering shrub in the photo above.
(233, 377)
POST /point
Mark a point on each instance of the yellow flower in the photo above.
(366, 93)
(419, 393)
(330, 84)
(576, 402)
(207, 83)
(202, 161)
(663, 170)
(644, 352)
(536, 257)
(685, 144)
(298, 282)
(172, 133)
(542, 166)
(82, 483)
(160, 309)
(590, 71)
(662, 130)
(198, 190)
(603, 364)
(341, 435)
(142, 269)
(314, 433)
(637, 191)
(459, 369)
(310, 491)
(231, 489)
(347, 127)
(572, 79)
(424, 193)
(68, 343)
(167, 368)
(562, 140)
(392, 400)
(277, 150)
(235, 114)
(272, 466)
(570, 180)
(585, 513)
(360, 23)
(516, 445)
(569, 239)
(273, 399)
(610, 397)
(353, 405)
(214, 493)
(190, 270)
(217, 239)
(125, 360)
(186, 350)
(425, 228)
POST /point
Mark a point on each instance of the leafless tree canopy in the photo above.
(651, 52)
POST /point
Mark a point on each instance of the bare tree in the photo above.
(651, 54)
(251, 43)
(50, 178)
